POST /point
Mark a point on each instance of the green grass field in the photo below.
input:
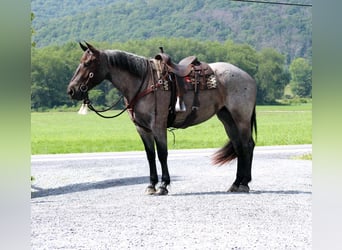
(68, 132)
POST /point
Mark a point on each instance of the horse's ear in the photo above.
(83, 47)
(92, 48)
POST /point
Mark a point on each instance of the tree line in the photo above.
(288, 29)
(53, 66)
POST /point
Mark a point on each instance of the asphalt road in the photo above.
(97, 201)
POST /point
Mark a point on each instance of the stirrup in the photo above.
(180, 107)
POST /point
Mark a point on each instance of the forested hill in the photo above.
(288, 29)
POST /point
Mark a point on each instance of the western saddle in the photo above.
(185, 67)
(191, 74)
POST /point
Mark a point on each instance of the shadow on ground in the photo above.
(81, 187)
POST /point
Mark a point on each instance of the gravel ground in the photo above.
(97, 201)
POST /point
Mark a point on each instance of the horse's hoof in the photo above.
(238, 189)
(233, 188)
(243, 189)
(150, 190)
(162, 191)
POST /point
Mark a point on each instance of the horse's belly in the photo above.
(181, 122)
(208, 106)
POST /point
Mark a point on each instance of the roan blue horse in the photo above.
(152, 85)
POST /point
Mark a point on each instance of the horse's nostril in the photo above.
(71, 91)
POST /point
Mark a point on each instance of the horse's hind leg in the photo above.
(241, 140)
(244, 148)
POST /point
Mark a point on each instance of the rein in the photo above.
(98, 112)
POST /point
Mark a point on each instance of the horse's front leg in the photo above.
(161, 142)
(148, 141)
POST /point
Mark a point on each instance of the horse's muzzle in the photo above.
(76, 94)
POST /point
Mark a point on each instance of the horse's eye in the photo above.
(86, 64)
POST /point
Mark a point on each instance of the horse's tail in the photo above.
(254, 124)
(228, 153)
(225, 154)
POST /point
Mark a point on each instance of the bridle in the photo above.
(84, 89)
(130, 106)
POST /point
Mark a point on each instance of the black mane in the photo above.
(135, 64)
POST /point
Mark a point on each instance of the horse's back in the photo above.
(228, 73)
(239, 87)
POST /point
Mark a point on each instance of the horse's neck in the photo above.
(127, 72)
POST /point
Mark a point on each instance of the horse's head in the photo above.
(88, 74)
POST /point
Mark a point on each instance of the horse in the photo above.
(140, 80)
